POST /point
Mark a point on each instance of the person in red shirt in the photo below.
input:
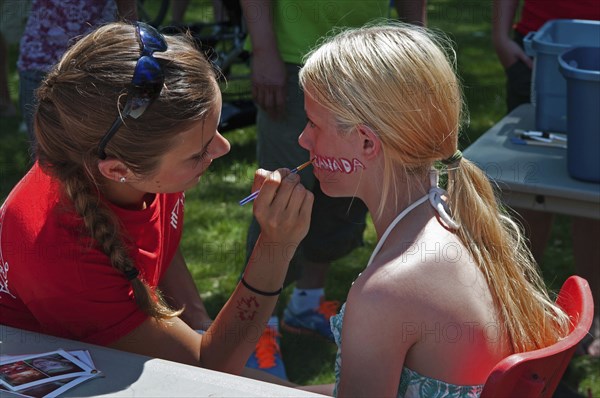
(89, 238)
(508, 41)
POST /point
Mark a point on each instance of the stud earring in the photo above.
(122, 179)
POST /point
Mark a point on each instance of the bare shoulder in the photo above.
(432, 294)
(391, 289)
(434, 275)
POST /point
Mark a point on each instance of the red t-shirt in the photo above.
(54, 280)
(536, 13)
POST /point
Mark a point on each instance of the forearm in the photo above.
(412, 11)
(259, 20)
(283, 210)
(503, 14)
(233, 335)
(507, 50)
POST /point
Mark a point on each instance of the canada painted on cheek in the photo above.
(338, 165)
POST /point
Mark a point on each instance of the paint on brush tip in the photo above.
(253, 195)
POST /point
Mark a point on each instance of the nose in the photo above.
(222, 146)
(305, 141)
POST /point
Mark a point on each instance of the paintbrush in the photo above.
(254, 194)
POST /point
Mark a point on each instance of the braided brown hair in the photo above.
(79, 100)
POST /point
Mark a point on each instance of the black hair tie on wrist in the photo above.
(131, 273)
(261, 292)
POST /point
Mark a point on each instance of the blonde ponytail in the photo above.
(531, 319)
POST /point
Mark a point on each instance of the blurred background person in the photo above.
(13, 16)
(52, 27)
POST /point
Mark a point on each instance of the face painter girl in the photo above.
(89, 238)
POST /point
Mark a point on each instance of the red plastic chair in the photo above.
(537, 373)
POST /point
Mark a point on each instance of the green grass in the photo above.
(215, 225)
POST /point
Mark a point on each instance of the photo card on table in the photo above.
(23, 372)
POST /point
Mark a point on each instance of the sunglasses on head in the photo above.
(146, 83)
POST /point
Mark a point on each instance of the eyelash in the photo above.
(198, 158)
(310, 123)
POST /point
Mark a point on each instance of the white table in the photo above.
(132, 375)
(532, 177)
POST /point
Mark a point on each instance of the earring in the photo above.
(122, 179)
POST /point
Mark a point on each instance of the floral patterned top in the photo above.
(412, 384)
(54, 25)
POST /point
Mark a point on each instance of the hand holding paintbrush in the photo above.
(254, 194)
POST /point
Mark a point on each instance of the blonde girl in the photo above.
(450, 288)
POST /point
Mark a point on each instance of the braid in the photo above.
(106, 231)
(80, 98)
